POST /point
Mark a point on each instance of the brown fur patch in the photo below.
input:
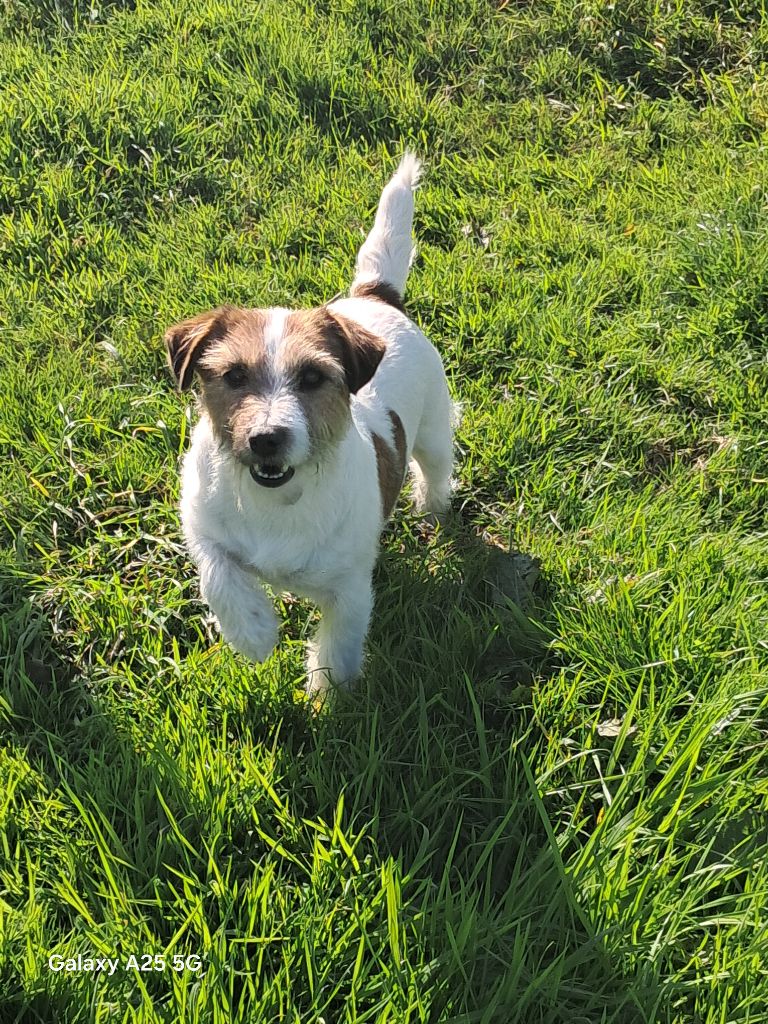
(241, 345)
(231, 410)
(310, 344)
(343, 352)
(361, 352)
(390, 464)
(357, 350)
(379, 290)
(186, 342)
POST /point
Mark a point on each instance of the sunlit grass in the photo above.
(538, 812)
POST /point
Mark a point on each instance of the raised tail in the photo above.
(385, 256)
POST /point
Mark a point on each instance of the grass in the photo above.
(538, 812)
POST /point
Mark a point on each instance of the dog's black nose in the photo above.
(268, 444)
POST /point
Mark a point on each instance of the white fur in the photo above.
(273, 333)
(318, 534)
(387, 252)
(282, 408)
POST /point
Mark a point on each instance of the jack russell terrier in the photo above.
(309, 420)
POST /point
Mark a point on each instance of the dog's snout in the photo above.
(268, 443)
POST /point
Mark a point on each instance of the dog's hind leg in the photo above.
(432, 462)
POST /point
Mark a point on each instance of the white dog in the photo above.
(309, 420)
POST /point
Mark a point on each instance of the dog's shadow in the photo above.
(425, 762)
(431, 754)
(453, 600)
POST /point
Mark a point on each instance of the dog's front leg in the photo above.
(336, 653)
(245, 614)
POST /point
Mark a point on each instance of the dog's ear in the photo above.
(186, 341)
(361, 351)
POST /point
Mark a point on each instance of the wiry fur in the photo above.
(316, 534)
(385, 256)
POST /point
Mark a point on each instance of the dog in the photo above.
(309, 421)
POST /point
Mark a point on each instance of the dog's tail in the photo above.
(385, 256)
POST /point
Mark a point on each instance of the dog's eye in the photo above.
(310, 378)
(236, 376)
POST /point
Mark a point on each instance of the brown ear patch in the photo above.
(186, 342)
(352, 346)
(361, 352)
(390, 463)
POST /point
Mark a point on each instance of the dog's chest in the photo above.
(298, 558)
(306, 542)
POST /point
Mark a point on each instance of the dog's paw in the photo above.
(254, 637)
(326, 669)
(318, 683)
(318, 675)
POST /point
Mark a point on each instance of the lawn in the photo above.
(547, 800)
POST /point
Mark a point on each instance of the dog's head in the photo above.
(275, 383)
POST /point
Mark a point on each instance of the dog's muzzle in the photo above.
(270, 470)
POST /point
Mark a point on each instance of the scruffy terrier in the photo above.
(309, 419)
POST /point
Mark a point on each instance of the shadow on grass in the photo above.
(77, 789)
(431, 755)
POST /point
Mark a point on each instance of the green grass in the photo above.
(468, 837)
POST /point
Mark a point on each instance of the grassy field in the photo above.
(539, 805)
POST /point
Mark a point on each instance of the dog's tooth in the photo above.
(281, 473)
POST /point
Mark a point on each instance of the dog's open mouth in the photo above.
(269, 475)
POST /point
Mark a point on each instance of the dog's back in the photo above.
(410, 381)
